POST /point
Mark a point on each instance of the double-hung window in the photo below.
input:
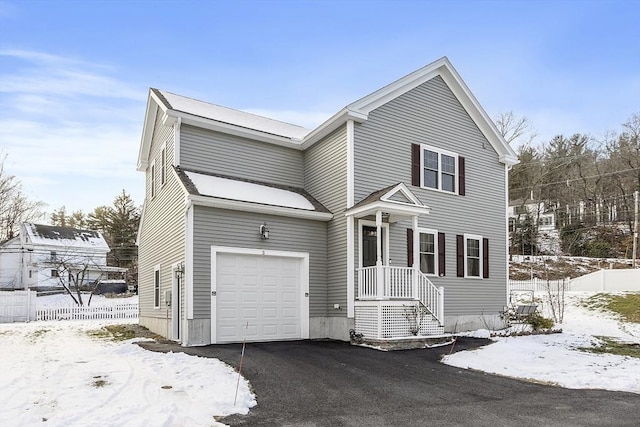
(439, 169)
(428, 252)
(473, 255)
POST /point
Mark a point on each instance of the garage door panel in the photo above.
(261, 290)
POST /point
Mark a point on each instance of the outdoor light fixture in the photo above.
(179, 270)
(264, 231)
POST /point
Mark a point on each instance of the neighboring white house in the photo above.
(544, 218)
(45, 256)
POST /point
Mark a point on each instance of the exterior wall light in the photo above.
(179, 270)
(264, 231)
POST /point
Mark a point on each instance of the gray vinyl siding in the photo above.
(219, 153)
(219, 227)
(430, 114)
(326, 180)
(162, 237)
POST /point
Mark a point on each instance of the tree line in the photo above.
(587, 182)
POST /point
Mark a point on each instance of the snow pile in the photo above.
(54, 373)
(555, 358)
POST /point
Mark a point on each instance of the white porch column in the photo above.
(416, 255)
(379, 272)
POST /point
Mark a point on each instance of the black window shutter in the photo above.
(485, 258)
(460, 254)
(409, 247)
(415, 165)
(461, 176)
(441, 255)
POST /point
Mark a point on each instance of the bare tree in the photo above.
(513, 127)
(15, 207)
(77, 272)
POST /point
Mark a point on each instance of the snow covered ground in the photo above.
(555, 358)
(54, 374)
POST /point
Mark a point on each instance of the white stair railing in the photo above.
(431, 297)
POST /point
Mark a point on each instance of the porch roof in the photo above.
(397, 200)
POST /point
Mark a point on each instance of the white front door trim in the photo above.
(385, 239)
(304, 282)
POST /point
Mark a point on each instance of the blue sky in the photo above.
(74, 75)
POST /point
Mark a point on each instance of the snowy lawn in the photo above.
(55, 374)
(556, 358)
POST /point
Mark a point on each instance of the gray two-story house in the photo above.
(389, 219)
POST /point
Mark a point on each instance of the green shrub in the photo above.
(538, 322)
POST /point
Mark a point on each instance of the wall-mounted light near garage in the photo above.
(179, 270)
(264, 231)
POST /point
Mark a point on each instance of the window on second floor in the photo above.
(152, 178)
(437, 169)
(163, 166)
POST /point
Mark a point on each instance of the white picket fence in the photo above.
(118, 311)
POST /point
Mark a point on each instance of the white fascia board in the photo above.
(390, 207)
(401, 187)
(477, 113)
(394, 90)
(201, 122)
(332, 124)
(147, 132)
(237, 205)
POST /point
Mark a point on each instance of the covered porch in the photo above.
(392, 302)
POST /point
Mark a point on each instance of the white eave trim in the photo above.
(237, 205)
(392, 207)
(189, 119)
(337, 120)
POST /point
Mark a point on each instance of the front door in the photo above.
(370, 246)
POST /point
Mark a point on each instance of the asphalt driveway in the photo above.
(329, 383)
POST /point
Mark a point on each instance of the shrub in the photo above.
(538, 322)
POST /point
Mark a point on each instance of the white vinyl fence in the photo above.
(17, 306)
(118, 311)
(539, 285)
(602, 280)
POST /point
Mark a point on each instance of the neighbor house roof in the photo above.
(222, 189)
(190, 111)
(68, 237)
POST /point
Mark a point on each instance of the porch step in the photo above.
(409, 343)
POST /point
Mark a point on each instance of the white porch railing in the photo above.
(399, 284)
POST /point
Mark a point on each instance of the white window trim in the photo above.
(156, 304)
(480, 240)
(385, 237)
(435, 248)
(440, 153)
(152, 174)
(163, 166)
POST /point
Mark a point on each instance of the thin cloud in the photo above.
(71, 128)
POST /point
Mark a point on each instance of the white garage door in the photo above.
(258, 298)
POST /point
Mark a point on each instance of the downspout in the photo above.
(351, 293)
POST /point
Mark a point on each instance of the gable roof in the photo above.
(360, 109)
(69, 237)
(190, 111)
(387, 201)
